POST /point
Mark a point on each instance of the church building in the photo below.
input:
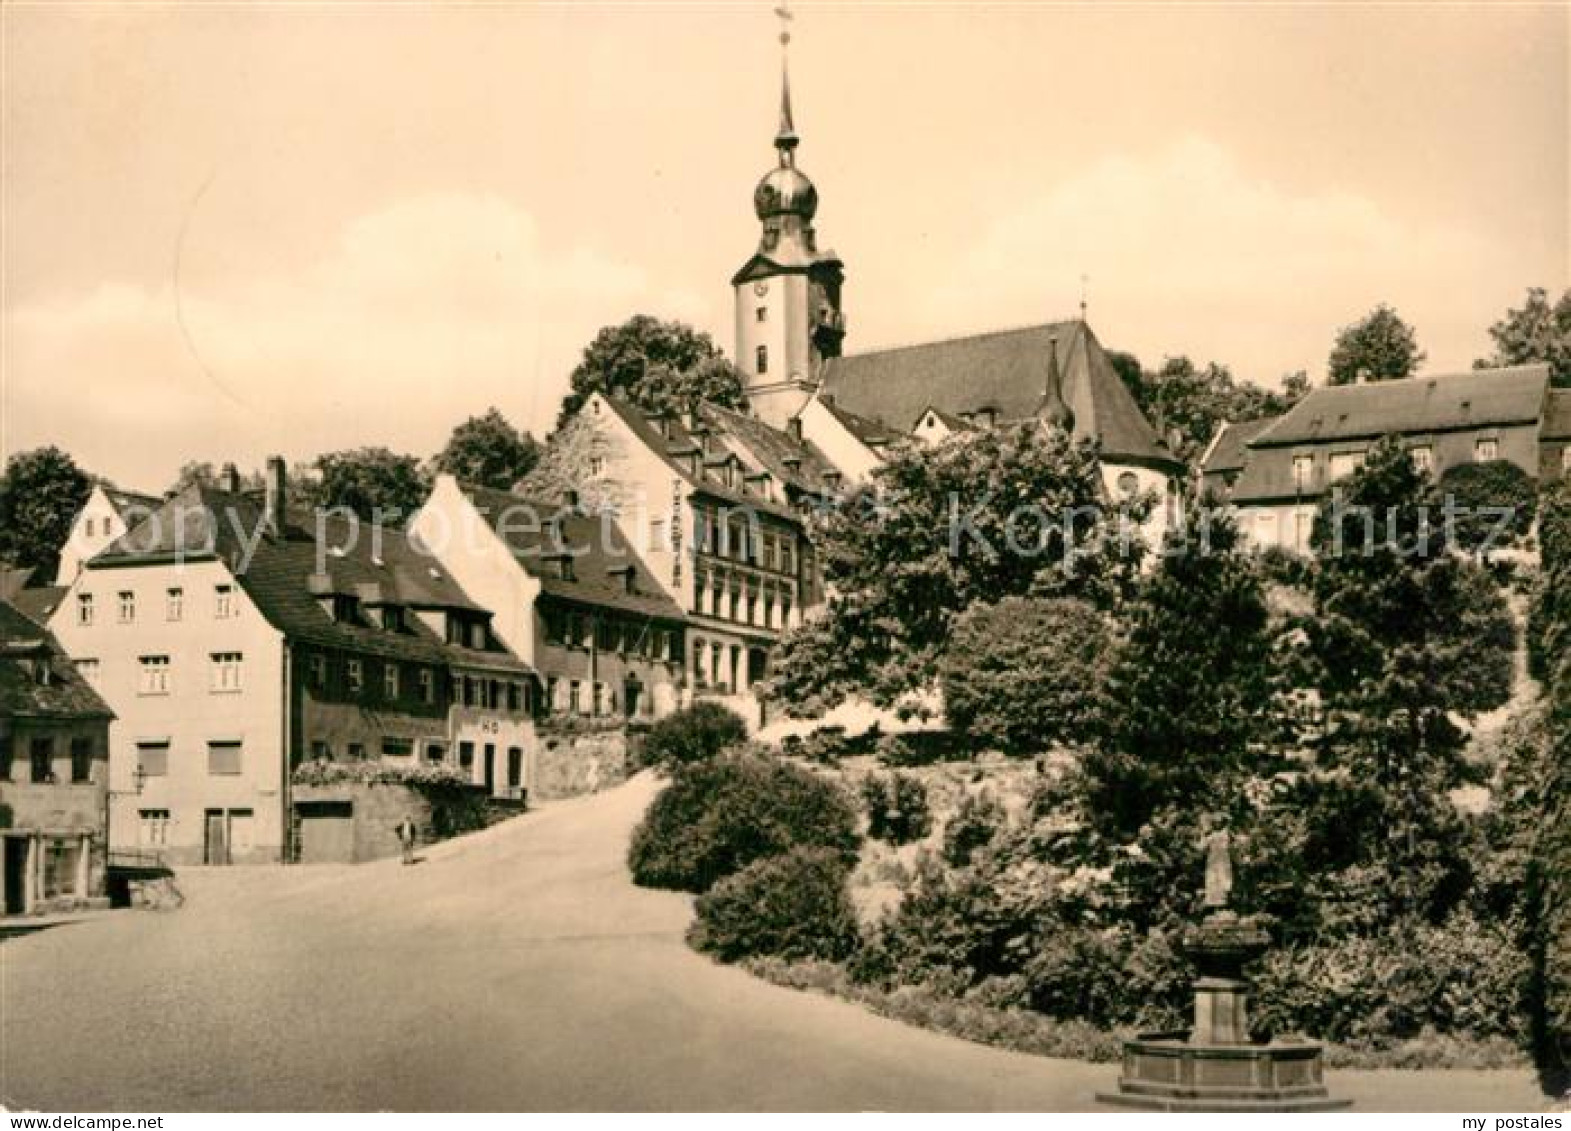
(790, 327)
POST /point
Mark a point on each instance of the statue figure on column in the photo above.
(1219, 870)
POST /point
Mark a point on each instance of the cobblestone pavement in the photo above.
(515, 969)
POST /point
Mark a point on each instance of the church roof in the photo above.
(1445, 402)
(1228, 448)
(1005, 371)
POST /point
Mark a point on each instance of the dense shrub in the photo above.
(897, 808)
(1025, 674)
(975, 823)
(1494, 503)
(825, 745)
(717, 817)
(793, 906)
(1464, 976)
(693, 734)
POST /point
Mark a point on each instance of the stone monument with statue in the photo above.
(1217, 1065)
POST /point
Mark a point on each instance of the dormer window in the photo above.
(393, 618)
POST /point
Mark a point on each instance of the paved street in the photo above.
(517, 969)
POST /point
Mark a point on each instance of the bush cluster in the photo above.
(897, 808)
(693, 734)
(717, 817)
(793, 906)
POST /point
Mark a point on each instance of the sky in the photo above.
(234, 230)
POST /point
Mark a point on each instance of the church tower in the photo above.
(788, 317)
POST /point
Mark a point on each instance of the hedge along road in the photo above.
(515, 969)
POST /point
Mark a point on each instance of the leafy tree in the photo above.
(694, 734)
(659, 366)
(1193, 402)
(1380, 344)
(194, 471)
(40, 494)
(487, 451)
(1494, 503)
(1405, 636)
(1025, 674)
(376, 484)
(995, 513)
(1190, 683)
(1549, 626)
(1130, 372)
(1538, 331)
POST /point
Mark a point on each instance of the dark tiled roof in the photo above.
(871, 432)
(677, 438)
(1227, 453)
(1268, 477)
(14, 579)
(1479, 398)
(1006, 372)
(287, 576)
(39, 604)
(1557, 415)
(124, 501)
(65, 696)
(601, 552)
(766, 448)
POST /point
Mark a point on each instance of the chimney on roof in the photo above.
(794, 427)
(229, 479)
(276, 494)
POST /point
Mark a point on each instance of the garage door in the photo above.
(327, 832)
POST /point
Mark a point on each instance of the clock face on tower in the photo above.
(760, 288)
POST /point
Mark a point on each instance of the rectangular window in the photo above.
(515, 697)
(786, 565)
(390, 680)
(466, 755)
(761, 314)
(174, 604)
(84, 608)
(321, 751)
(761, 359)
(90, 525)
(657, 534)
(1344, 464)
(318, 664)
(223, 601)
(357, 752)
(90, 669)
(550, 693)
(435, 751)
(596, 465)
(154, 675)
(152, 827)
(356, 675)
(1423, 458)
(598, 697)
(573, 694)
(152, 758)
(1486, 450)
(43, 752)
(397, 747)
(226, 671)
(127, 606)
(7, 753)
(223, 758)
(1303, 471)
(427, 686)
(82, 759)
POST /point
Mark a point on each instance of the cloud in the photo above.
(1188, 253)
(424, 311)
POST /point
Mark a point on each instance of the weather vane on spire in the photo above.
(785, 139)
(1084, 279)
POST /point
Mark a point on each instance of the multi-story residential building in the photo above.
(569, 595)
(237, 640)
(715, 501)
(1277, 472)
(54, 776)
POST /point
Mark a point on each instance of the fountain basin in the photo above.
(1165, 1072)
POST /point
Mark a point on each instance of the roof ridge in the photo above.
(950, 339)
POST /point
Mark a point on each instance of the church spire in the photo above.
(785, 139)
(1054, 410)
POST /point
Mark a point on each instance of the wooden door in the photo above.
(215, 840)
